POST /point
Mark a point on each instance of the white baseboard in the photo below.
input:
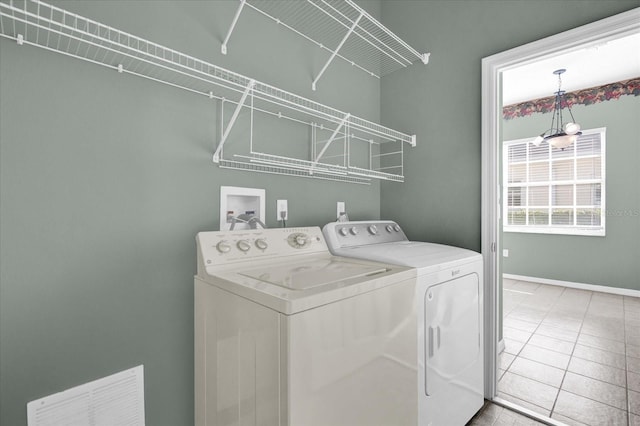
(501, 346)
(580, 286)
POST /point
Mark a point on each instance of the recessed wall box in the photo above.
(240, 204)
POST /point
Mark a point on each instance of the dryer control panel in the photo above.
(361, 233)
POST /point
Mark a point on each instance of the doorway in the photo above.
(493, 68)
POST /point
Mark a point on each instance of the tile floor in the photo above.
(572, 355)
(494, 415)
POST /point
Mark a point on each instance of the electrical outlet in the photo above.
(341, 208)
(505, 252)
(281, 206)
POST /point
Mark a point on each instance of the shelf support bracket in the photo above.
(335, 52)
(232, 120)
(223, 49)
(329, 141)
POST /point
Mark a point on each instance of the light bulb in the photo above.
(561, 142)
(571, 128)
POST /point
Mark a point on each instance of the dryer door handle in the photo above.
(433, 343)
(434, 340)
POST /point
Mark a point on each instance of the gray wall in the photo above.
(440, 199)
(611, 260)
(104, 181)
(105, 178)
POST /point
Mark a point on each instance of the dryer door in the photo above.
(453, 358)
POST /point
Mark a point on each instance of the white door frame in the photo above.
(588, 35)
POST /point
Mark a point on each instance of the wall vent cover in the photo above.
(113, 400)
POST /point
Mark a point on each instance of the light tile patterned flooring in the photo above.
(572, 355)
(494, 415)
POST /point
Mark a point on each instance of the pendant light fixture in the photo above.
(561, 134)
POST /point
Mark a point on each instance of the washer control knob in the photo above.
(243, 245)
(396, 228)
(261, 244)
(354, 230)
(389, 228)
(223, 247)
(343, 232)
(298, 240)
(373, 230)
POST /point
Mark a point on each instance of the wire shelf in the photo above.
(283, 170)
(343, 29)
(32, 22)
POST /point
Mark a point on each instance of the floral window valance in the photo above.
(592, 95)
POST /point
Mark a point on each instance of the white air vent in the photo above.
(113, 400)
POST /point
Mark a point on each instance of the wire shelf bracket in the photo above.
(232, 120)
(331, 139)
(367, 44)
(335, 52)
(223, 48)
(36, 23)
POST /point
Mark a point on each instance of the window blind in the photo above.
(549, 190)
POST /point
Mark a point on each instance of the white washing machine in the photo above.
(287, 334)
(450, 295)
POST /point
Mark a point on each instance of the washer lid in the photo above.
(293, 284)
(311, 273)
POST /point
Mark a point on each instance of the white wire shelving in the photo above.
(340, 27)
(35, 23)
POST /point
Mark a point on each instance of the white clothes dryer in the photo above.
(287, 334)
(450, 310)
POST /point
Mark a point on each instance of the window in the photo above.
(553, 191)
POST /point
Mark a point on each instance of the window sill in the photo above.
(556, 230)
